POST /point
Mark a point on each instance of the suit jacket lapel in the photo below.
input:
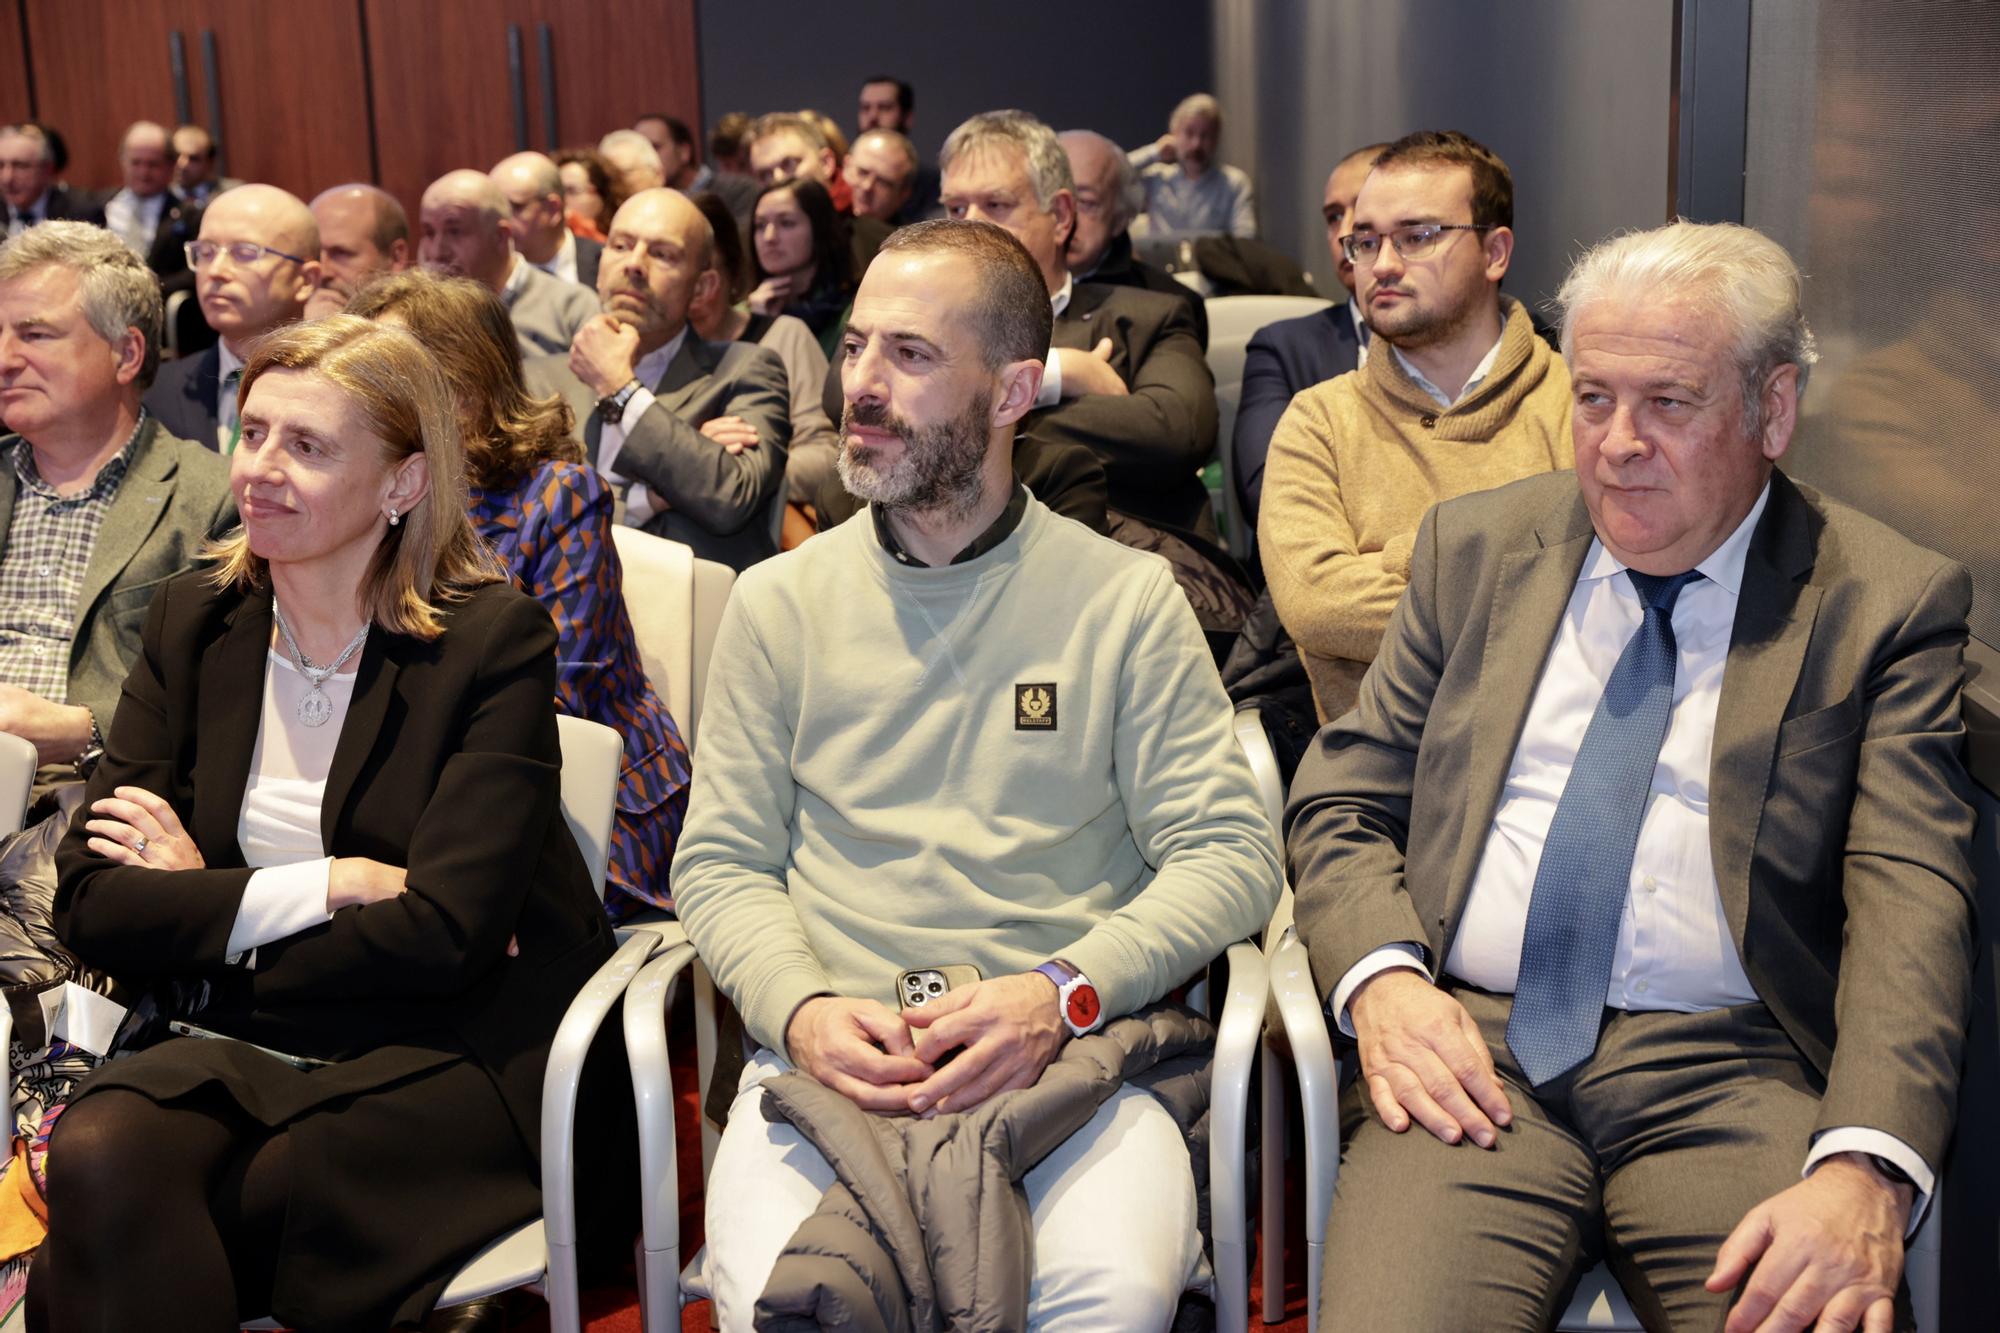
(1767, 647)
(1537, 583)
(374, 687)
(1077, 326)
(6, 488)
(140, 505)
(690, 368)
(230, 706)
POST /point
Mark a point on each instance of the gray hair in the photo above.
(1048, 164)
(117, 291)
(1196, 104)
(36, 135)
(1740, 276)
(1128, 195)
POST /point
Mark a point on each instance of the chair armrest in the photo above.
(1237, 1034)
(653, 1093)
(1304, 1021)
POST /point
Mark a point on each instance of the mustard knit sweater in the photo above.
(1355, 463)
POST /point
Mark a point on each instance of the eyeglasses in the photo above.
(1412, 242)
(200, 254)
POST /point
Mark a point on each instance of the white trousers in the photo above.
(1113, 1209)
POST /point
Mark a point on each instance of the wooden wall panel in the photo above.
(14, 103)
(290, 76)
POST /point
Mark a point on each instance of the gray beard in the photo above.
(938, 471)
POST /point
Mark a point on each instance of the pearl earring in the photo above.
(394, 518)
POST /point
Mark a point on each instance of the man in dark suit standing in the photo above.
(1295, 354)
(1108, 197)
(1642, 862)
(256, 263)
(27, 182)
(363, 233)
(98, 503)
(533, 189)
(692, 433)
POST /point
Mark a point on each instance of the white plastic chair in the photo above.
(1599, 1303)
(664, 1284)
(1232, 322)
(675, 601)
(541, 1255)
(18, 761)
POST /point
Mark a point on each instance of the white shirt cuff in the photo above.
(1051, 391)
(279, 902)
(635, 407)
(1381, 960)
(1879, 1143)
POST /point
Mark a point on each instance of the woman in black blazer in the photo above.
(358, 880)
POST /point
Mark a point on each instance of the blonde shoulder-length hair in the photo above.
(432, 557)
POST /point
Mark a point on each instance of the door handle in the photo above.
(518, 77)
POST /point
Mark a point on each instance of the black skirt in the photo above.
(405, 1163)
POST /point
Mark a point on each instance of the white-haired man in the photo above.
(1108, 197)
(463, 232)
(1675, 927)
(1188, 192)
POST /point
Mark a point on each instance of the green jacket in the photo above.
(174, 497)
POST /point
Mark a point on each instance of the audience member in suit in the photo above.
(800, 259)
(718, 316)
(693, 433)
(680, 159)
(144, 213)
(1126, 375)
(1189, 193)
(537, 220)
(463, 233)
(590, 198)
(256, 264)
(1680, 909)
(363, 234)
(1466, 396)
(1108, 197)
(363, 867)
(787, 146)
(1295, 354)
(634, 164)
(889, 103)
(28, 182)
(548, 516)
(194, 166)
(89, 475)
(881, 175)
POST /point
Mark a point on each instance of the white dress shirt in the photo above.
(279, 829)
(562, 264)
(652, 367)
(1051, 391)
(1443, 399)
(1675, 950)
(135, 220)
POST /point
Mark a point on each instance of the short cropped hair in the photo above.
(116, 289)
(1196, 104)
(906, 96)
(730, 135)
(432, 557)
(1048, 164)
(1013, 314)
(787, 122)
(1492, 183)
(1736, 275)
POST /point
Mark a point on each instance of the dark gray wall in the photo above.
(1112, 68)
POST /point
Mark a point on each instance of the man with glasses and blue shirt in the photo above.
(1459, 393)
(256, 263)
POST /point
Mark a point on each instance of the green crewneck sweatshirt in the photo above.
(1024, 756)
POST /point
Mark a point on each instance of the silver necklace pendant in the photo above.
(315, 708)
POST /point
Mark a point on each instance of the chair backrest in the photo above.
(592, 754)
(675, 601)
(18, 760)
(1232, 322)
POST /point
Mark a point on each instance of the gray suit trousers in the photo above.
(1645, 1156)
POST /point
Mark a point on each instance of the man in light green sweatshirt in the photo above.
(963, 730)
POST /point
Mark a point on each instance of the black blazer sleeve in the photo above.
(1163, 431)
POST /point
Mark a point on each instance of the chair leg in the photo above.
(704, 1054)
(659, 1177)
(1273, 1187)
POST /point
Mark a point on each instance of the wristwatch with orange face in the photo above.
(1076, 998)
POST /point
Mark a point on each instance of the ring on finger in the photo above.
(139, 845)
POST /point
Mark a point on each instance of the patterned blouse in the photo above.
(553, 534)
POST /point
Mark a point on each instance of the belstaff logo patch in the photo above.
(1035, 707)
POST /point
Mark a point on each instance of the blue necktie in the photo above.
(1586, 867)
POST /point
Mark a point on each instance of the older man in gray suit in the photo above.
(98, 504)
(693, 433)
(463, 232)
(1642, 861)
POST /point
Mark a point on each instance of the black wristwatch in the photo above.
(1896, 1174)
(612, 408)
(93, 749)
